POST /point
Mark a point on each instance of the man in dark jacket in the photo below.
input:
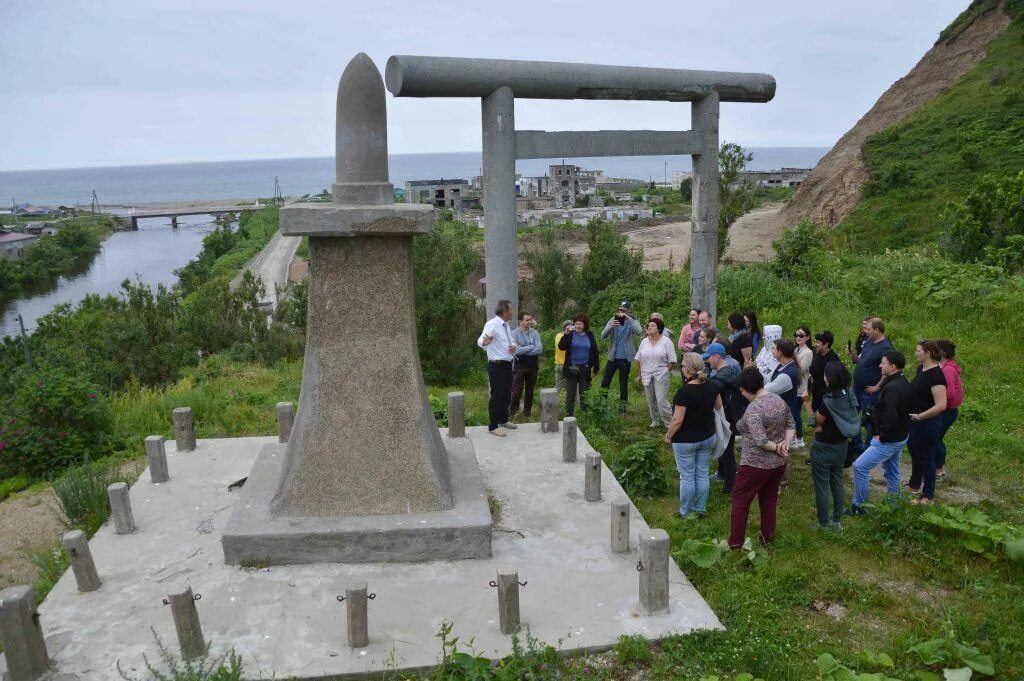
(891, 418)
(823, 354)
(725, 376)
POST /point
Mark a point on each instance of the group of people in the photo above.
(755, 386)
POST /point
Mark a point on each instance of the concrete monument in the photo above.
(364, 475)
(498, 82)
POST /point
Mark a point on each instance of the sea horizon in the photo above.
(251, 178)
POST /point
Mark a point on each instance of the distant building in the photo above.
(678, 176)
(786, 177)
(13, 244)
(533, 187)
(565, 184)
(438, 193)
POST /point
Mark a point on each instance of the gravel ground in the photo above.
(28, 520)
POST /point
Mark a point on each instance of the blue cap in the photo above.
(714, 349)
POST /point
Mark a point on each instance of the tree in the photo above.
(735, 197)
(609, 261)
(554, 275)
(447, 316)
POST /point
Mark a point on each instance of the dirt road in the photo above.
(667, 246)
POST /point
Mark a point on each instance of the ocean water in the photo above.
(129, 185)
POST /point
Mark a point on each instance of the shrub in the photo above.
(609, 261)
(554, 275)
(82, 494)
(988, 225)
(639, 470)
(800, 254)
(58, 419)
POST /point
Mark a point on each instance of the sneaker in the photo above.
(854, 510)
(797, 443)
(922, 501)
(654, 425)
(499, 432)
(714, 477)
(940, 474)
(912, 490)
(835, 525)
(510, 426)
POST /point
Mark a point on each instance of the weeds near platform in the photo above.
(51, 562)
(224, 667)
(82, 494)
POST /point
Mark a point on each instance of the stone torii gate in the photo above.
(498, 82)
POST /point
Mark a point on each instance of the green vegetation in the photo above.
(988, 225)
(60, 412)
(940, 152)
(53, 255)
(447, 317)
(82, 493)
(227, 666)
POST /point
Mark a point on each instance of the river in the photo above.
(150, 254)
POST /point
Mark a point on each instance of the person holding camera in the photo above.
(581, 362)
(623, 331)
(566, 327)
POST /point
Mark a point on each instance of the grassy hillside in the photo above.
(938, 153)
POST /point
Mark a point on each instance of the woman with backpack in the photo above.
(836, 421)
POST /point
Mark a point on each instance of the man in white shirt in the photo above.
(496, 340)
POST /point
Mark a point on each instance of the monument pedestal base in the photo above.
(255, 537)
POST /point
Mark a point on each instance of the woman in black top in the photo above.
(692, 434)
(928, 401)
(742, 346)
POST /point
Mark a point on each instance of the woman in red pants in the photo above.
(767, 428)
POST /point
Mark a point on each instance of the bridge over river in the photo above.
(174, 212)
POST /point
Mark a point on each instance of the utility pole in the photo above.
(94, 208)
(24, 342)
(666, 173)
(278, 199)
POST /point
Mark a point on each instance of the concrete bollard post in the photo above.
(184, 429)
(156, 457)
(620, 527)
(457, 414)
(186, 623)
(592, 477)
(548, 410)
(569, 440)
(508, 600)
(285, 420)
(22, 636)
(80, 557)
(121, 508)
(654, 571)
(357, 615)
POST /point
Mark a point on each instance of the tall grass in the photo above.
(82, 494)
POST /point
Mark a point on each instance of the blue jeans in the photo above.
(885, 453)
(947, 418)
(692, 460)
(865, 400)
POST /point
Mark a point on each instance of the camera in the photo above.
(621, 318)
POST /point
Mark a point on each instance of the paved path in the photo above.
(272, 264)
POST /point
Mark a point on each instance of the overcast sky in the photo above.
(108, 82)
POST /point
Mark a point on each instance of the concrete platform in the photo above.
(285, 620)
(256, 537)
